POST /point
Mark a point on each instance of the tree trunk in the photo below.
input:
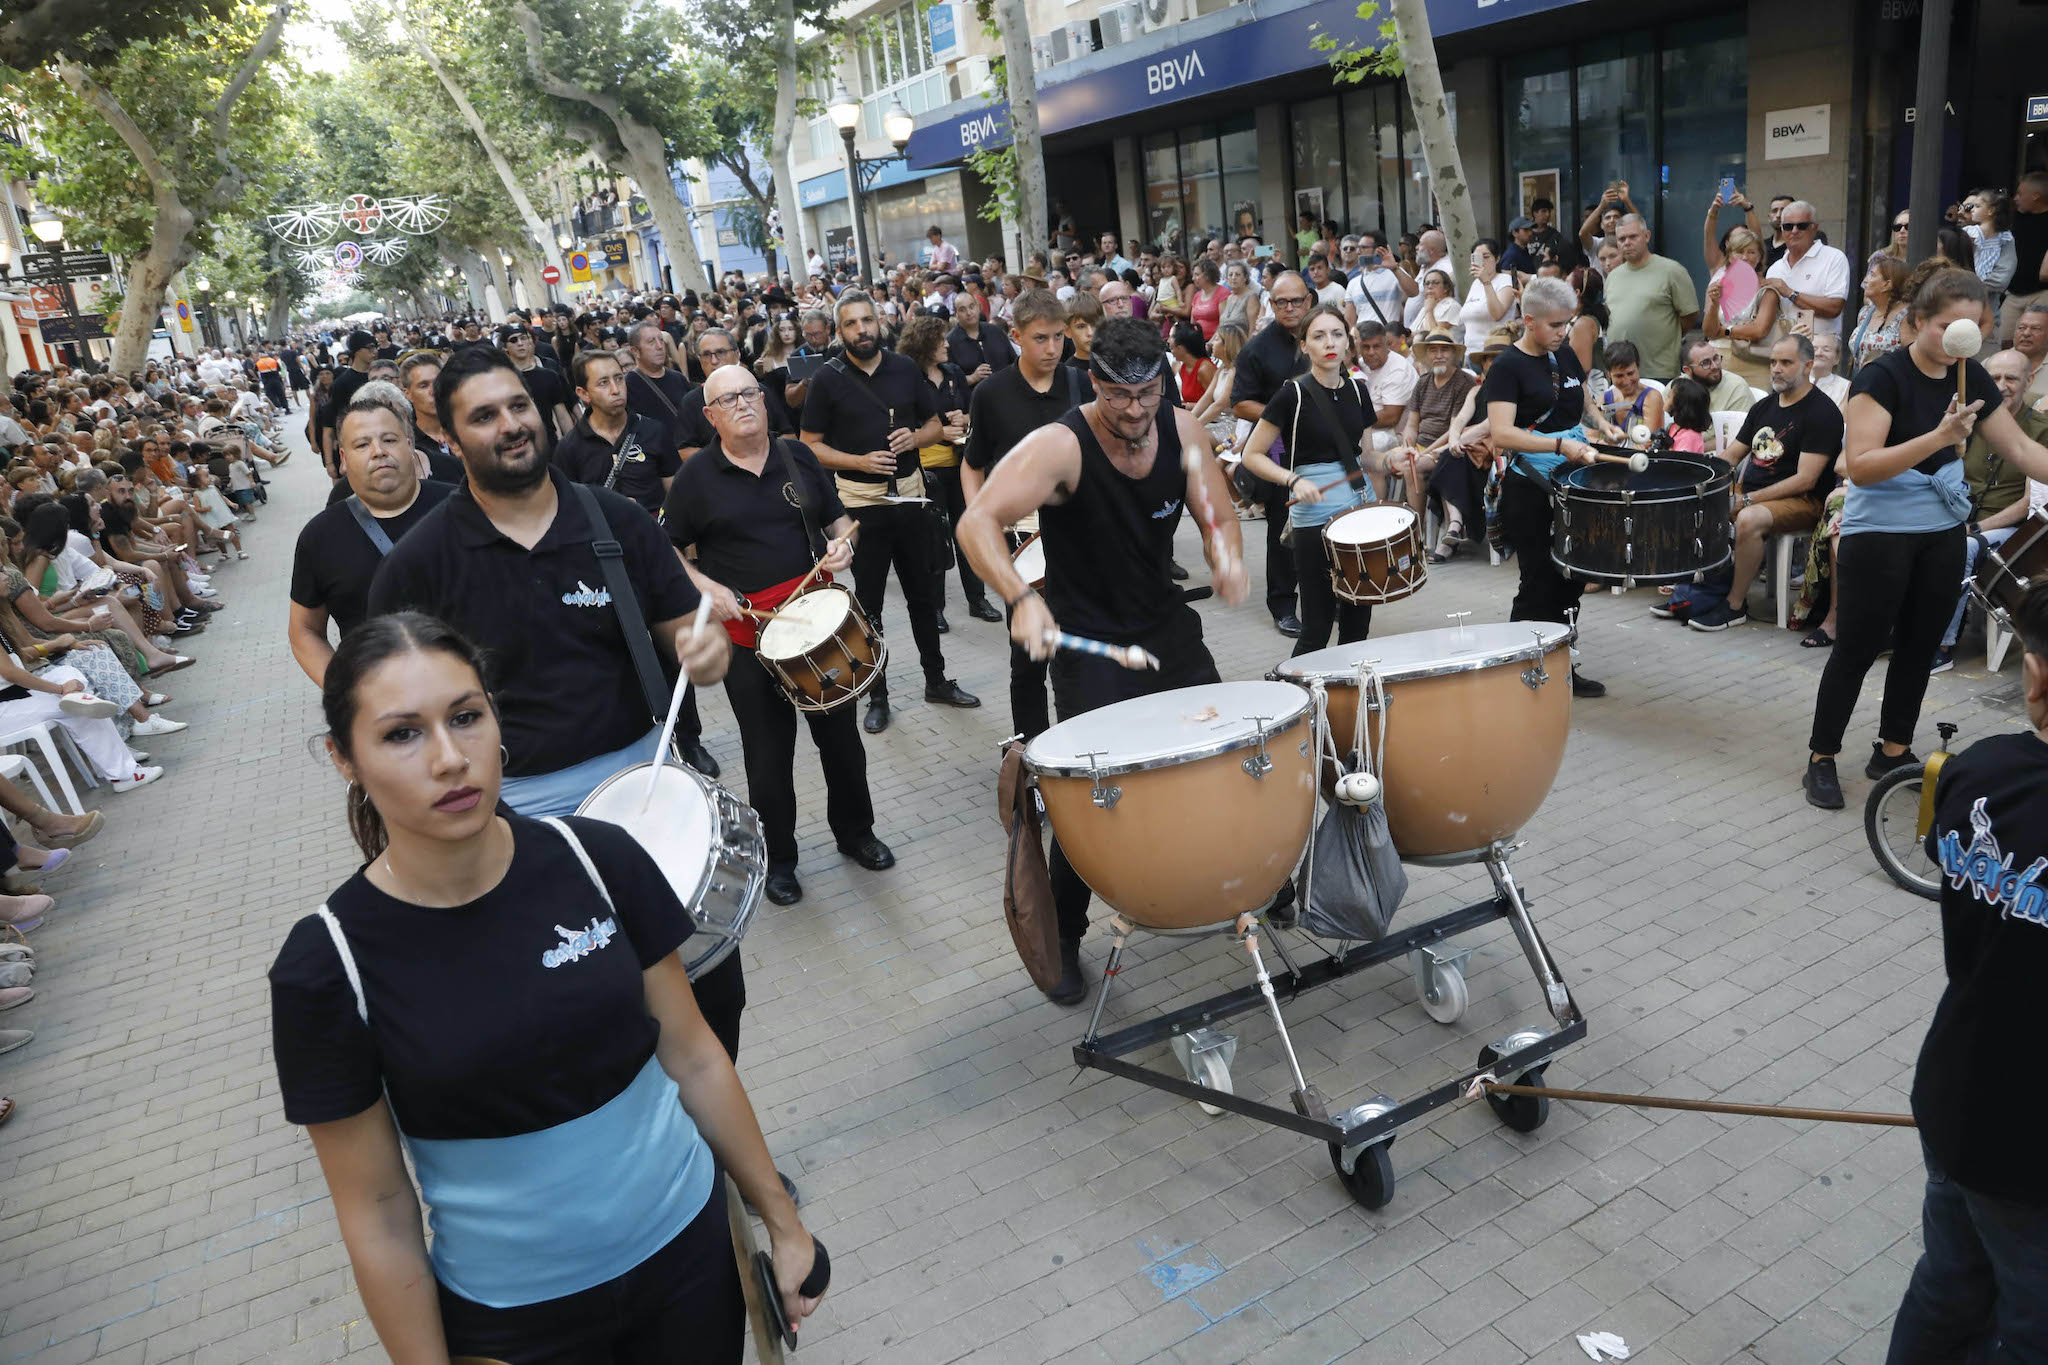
(1013, 20)
(279, 318)
(170, 250)
(781, 133)
(526, 267)
(475, 273)
(1433, 121)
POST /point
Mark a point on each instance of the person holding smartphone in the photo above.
(1382, 286)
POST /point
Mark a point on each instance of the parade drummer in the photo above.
(1538, 413)
(1108, 481)
(737, 506)
(503, 999)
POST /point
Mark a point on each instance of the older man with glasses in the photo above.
(1811, 278)
(1268, 360)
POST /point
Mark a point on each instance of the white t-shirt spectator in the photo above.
(1823, 272)
(1385, 288)
(1477, 314)
(1835, 387)
(1393, 383)
(1332, 292)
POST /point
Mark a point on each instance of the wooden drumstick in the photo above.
(675, 706)
(1130, 656)
(815, 568)
(1637, 462)
(1960, 340)
(1334, 483)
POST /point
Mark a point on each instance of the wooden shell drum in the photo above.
(1186, 808)
(1232, 462)
(1476, 724)
(705, 841)
(1663, 525)
(820, 649)
(1376, 554)
(2007, 573)
(1029, 562)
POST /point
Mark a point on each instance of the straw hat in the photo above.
(1438, 336)
(1498, 340)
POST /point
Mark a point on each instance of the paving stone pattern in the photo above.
(983, 1201)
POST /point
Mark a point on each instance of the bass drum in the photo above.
(1183, 809)
(705, 841)
(1477, 718)
(1620, 527)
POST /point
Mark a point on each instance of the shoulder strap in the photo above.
(673, 410)
(369, 524)
(1326, 408)
(1073, 386)
(812, 538)
(561, 827)
(348, 961)
(611, 560)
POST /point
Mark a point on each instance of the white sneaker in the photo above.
(157, 725)
(141, 777)
(86, 705)
(203, 592)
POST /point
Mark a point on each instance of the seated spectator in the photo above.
(61, 696)
(1193, 369)
(1627, 400)
(101, 617)
(1434, 465)
(1703, 365)
(1691, 427)
(1998, 491)
(1884, 311)
(2030, 339)
(1784, 450)
(1827, 352)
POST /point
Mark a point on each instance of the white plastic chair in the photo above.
(1756, 395)
(1783, 549)
(14, 767)
(1727, 426)
(55, 742)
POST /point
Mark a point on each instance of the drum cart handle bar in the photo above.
(1769, 1111)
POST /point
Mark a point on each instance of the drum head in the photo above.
(804, 623)
(1165, 728)
(1427, 653)
(1370, 525)
(1030, 560)
(1665, 475)
(674, 828)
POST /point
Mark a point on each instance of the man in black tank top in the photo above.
(1109, 482)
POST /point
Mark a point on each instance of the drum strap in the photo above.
(611, 561)
(1310, 391)
(368, 522)
(1521, 465)
(812, 539)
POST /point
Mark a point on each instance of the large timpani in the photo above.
(1476, 720)
(1186, 808)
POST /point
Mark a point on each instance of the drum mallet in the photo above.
(1130, 656)
(1637, 462)
(1338, 482)
(1961, 340)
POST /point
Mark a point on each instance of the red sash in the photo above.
(745, 630)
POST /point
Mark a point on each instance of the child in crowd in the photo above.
(234, 476)
(1692, 422)
(1628, 401)
(1977, 1286)
(214, 511)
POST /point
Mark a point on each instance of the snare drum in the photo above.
(821, 650)
(1184, 808)
(1029, 562)
(1663, 525)
(1476, 716)
(2007, 573)
(705, 841)
(1376, 554)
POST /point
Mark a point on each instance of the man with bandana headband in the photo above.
(1108, 481)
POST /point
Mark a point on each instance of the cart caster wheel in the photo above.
(1442, 988)
(1523, 1113)
(1215, 1073)
(1371, 1178)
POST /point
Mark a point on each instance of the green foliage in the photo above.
(1350, 63)
(750, 225)
(93, 33)
(997, 166)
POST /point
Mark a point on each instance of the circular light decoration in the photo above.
(416, 214)
(384, 250)
(347, 256)
(360, 214)
(306, 224)
(312, 260)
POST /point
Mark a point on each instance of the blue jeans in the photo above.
(1970, 552)
(1980, 1291)
(540, 795)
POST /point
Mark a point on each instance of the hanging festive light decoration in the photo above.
(415, 215)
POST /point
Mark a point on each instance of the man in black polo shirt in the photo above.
(387, 349)
(1271, 358)
(737, 509)
(550, 394)
(338, 551)
(655, 389)
(977, 349)
(611, 446)
(867, 414)
(509, 561)
(1018, 400)
(351, 375)
(712, 349)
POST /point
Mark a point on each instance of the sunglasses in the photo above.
(1790, 226)
(1900, 227)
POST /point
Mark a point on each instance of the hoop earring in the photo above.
(503, 757)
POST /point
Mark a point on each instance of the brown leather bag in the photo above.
(1027, 883)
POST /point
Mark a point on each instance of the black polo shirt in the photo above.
(855, 412)
(660, 401)
(547, 388)
(442, 463)
(587, 457)
(1005, 409)
(1268, 360)
(564, 683)
(746, 528)
(990, 348)
(335, 561)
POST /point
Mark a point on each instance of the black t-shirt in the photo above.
(693, 430)
(1778, 435)
(346, 381)
(481, 1024)
(1917, 403)
(389, 351)
(335, 561)
(1268, 360)
(1549, 392)
(1990, 843)
(1311, 424)
(855, 412)
(2030, 245)
(547, 388)
(746, 528)
(442, 463)
(659, 401)
(564, 683)
(1005, 409)
(587, 457)
(989, 348)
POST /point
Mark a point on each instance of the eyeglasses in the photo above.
(1289, 300)
(1900, 227)
(1804, 225)
(1147, 397)
(732, 402)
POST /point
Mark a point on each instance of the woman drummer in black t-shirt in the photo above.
(1538, 412)
(502, 999)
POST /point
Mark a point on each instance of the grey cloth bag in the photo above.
(1352, 880)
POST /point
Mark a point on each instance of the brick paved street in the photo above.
(982, 1200)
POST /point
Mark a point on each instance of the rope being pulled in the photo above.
(1488, 1085)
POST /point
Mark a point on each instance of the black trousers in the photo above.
(1084, 682)
(900, 536)
(1898, 588)
(1456, 484)
(1029, 713)
(721, 998)
(1542, 593)
(1321, 608)
(943, 487)
(1280, 582)
(767, 724)
(682, 1303)
(689, 725)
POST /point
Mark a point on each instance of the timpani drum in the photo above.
(1029, 562)
(1183, 809)
(705, 840)
(821, 649)
(1476, 720)
(1620, 527)
(1376, 554)
(2008, 572)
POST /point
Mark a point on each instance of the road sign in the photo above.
(42, 265)
(45, 302)
(185, 314)
(87, 327)
(550, 275)
(579, 266)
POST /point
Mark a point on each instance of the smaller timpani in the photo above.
(821, 650)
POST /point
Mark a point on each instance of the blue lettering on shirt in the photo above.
(587, 596)
(1989, 876)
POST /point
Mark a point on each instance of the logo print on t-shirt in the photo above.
(2020, 895)
(577, 944)
(587, 596)
(1767, 447)
(1172, 506)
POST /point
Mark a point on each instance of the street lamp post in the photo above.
(234, 319)
(558, 291)
(209, 329)
(49, 230)
(862, 170)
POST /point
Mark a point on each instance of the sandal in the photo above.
(177, 662)
(6, 1109)
(1819, 639)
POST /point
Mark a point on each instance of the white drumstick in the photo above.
(1640, 432)
(1198, 479)
(1130, 656)
(675, 705)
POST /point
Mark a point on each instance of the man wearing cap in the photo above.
(548, 391)
(1519, 256)
(1442, 390)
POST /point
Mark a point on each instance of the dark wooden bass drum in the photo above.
(1618, 527)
